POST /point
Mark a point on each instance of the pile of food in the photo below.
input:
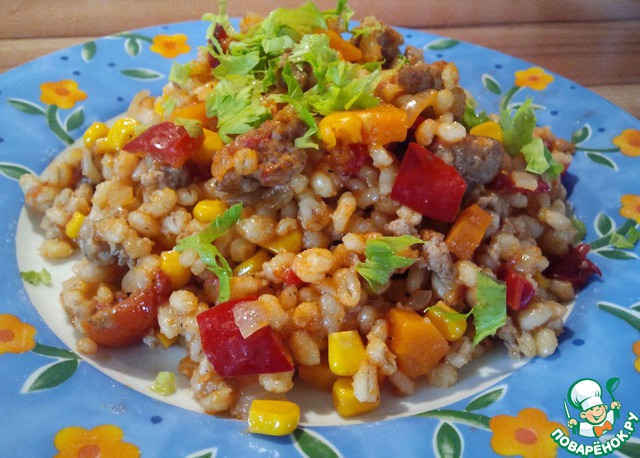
(308, 203)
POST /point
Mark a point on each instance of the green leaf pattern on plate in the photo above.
(53, 374)
(312, 445)
(447, 441)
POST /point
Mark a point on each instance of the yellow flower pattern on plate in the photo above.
(104, 441)
(170, 46)
(15, 336)
(628, 142)
(64, 94)
(534, 78)
(527, 434)
(630, 207)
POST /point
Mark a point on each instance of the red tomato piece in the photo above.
(128, 321)
(231, 354)
(427, 184)
(166, 142)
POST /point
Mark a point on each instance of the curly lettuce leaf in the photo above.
(518, 129)
(202, 243)
(490, 313)
(539, 159)
(382, 259)
(471, 118)
(35, 278)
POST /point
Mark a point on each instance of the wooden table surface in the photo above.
(595, 43)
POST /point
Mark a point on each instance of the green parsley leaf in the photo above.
(164, 384)
(179, 73)
(518, 129)
(202, 243)
(491, 310)
(382, 259)
(470, 118)
(35, 278)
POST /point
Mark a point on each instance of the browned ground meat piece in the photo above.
(415, 78)
(380, 42)
(477, 159)
(278, 157)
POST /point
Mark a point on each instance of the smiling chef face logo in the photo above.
(594, 418)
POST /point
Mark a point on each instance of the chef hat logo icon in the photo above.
(596, 418)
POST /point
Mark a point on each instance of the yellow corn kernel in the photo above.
(488, 129)
(94, 132)
(345, 401)
(346, 352)
(319, 376)
(165, 341)
(451, 324)
(207, 210)
(273, 418)
(291, 242)
(212, 144)
(253, 264)
(170, 265)
(343, 127)
(542, 281)
(72, 228)
(122, 131)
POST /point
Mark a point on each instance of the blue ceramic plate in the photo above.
(54, 401)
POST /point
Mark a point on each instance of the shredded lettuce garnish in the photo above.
(382, 259)
(287, 42)
(193, 127)
(518, 139)
(179, 73)
(202, 243)
(35, 278)
(471, 118)
(164, 384)
(490, 313)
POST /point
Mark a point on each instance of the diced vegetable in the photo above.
(468, 231)
(165, 341)
(573, 266)
(72, 228)
(346, 352)
(428, 185)
(195, 110)
(374, 126)
(121, 133)
(128, 321)
(94, 132)
(253, 264)
(230, 353)
(319, 375)
(520, 291)
(207, 210)
(345, 401)
(211, 144)
(291, 242)
(416, 342)
(451, 324)
(250, 316)
(170, 265)
(489, 129)
(166, 142)
(273, 417)
(345, 49)
(164, 384)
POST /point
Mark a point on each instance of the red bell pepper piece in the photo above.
(520, 291)
(166, 142)
(230, 353)
(427, 184)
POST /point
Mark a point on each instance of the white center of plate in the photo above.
(137, 366)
